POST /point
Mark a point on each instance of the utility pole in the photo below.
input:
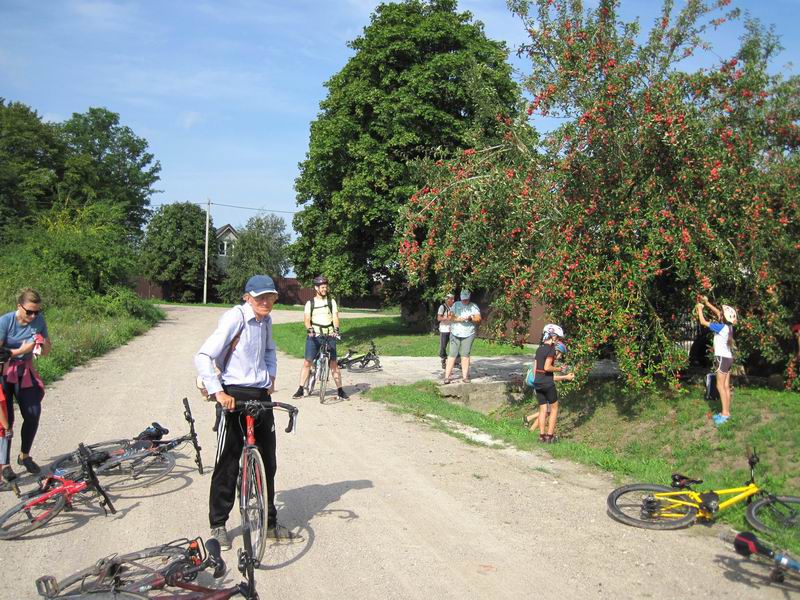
(205, 269)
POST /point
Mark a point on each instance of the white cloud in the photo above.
(190, 118)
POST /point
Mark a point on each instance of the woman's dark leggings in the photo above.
(30, 407)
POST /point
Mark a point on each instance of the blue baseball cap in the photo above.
(260, 284)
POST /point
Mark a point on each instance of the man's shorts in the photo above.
(546, 394)
(460, 346)
(723, 364)
(313, 344)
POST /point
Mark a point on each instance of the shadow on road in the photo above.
(755, 574)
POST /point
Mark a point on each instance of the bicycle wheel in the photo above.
(137, 470)
(637, 505)
(775, 513)
(253, 499)
(324, 374)
(121, 574)
(69, 462)
(29, 515)
(370, 364)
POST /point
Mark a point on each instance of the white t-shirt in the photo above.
(721, 334)
(464, 329)
(444, 311)
(323, 316)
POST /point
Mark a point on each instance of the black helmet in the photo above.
(320, 280)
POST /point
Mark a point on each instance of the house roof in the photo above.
(227, 228)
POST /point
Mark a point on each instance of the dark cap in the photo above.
(260, 284)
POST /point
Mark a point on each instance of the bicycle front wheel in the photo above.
(30, 514)
(639, 505)
(122, 574)
(138, 470)
(775, 513)
(324, 374)
(253, 499)
(312, 379)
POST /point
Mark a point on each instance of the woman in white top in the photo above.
(723, 351)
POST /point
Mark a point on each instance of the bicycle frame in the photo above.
(695, 499)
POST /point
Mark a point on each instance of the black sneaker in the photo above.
(298, 393)
(8, 473)
(29, 465)
(342, 395)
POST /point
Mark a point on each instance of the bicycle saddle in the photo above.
(682, 481)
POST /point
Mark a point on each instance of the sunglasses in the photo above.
(31, 313)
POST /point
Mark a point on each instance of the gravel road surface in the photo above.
(389, 506)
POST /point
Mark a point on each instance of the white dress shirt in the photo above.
(254, 361)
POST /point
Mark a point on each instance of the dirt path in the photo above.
(390, 507)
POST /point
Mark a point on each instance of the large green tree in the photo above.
(422, 77)
(660, 185)
(31, 155)
(108, 162)
(261, 248)
(173, 252)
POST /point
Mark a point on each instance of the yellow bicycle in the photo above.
(653, 506)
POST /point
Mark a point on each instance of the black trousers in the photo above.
(30, 407)
(231, 432)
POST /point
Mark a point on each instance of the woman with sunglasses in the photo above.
(23, 333)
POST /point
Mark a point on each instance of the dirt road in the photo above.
(389, 506)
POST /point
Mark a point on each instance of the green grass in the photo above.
(391, 336)
(79, 335)
(647, 437)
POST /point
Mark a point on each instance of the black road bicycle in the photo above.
(139, 461)
(360, 361)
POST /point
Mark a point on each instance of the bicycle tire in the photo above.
(252, 499)
(105, 595)
(312, 378)
(325, 372)
(16, 522)
(131, 569)
(137, 471)
(69, 463)
(371, 364)
(658, 519)
(774, 513)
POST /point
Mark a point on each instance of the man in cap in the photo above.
(238, 362)
(444, 316)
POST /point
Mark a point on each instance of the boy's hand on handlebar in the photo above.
(227, 401)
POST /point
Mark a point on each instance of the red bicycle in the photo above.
(253, 478)
(54, 493)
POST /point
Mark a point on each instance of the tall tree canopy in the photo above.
(173, 253)
(261, 248)
(88, 159)
(660, 185)
(422, 76)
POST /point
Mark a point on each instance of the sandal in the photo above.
(447, 381)
(466, 380)
(525, 422)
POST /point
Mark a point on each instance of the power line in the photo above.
(270, 210)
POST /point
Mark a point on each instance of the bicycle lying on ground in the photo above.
(659, 507)
(139, 461)
(173, 565)
(747, 544)
(252, 475)
(54, 493)
(354, 361)
(320, 368)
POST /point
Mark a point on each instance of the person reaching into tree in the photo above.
(723, 351)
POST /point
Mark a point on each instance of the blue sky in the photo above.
(224, 91)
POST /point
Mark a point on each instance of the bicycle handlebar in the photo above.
(254, 407)
(746, 544)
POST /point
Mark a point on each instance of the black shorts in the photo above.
(546, 395)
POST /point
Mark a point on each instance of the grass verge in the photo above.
(647, 437)
(79, 335)
(392, 337)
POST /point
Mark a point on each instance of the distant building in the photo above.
(226, 238)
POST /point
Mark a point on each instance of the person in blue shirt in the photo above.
(24, 335)
(239, 362)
